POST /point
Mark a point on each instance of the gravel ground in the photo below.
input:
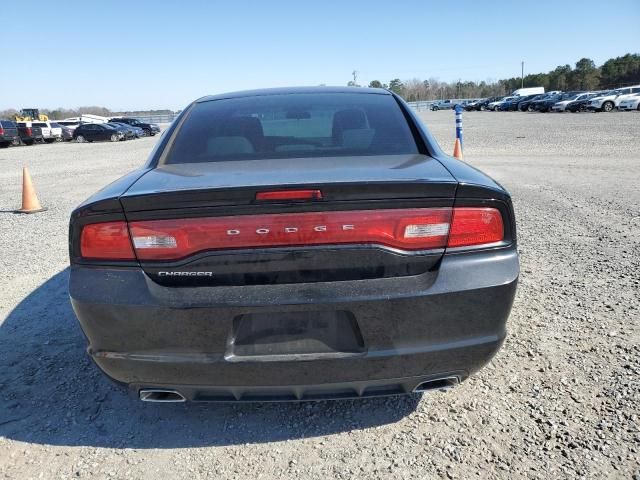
(560, 400)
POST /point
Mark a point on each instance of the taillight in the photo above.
(404, 229)
(106, 241)
(475, 226)
(1, 131)
(412, 229)
(29, 132)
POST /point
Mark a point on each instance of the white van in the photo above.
(522, 92)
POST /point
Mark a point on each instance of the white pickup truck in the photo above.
(49, 133)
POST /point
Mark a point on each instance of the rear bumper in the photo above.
(414, 329)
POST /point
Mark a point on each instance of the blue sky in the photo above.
(154, 54)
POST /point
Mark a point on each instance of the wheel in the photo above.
(28, 142)
(638, 107)
(5, 145)
(482, 108)
(58, 139)
(80, 139)
(49, 140)
(15, 142)
(607, 107)
(530, 108)
(114, 138)
(434, 109)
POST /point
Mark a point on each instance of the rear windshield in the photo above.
(292, 126)
(7, 124)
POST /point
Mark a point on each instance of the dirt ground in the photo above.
(560, 400)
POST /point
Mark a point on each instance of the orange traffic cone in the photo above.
(457, 150)
(30, 202)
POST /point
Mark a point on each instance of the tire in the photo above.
(530, 108)
(49, 140)
(482, 108)
(5, 144)
(434, 109)
(28, 142)
(607, 107)
(80, 139)
(114, 138)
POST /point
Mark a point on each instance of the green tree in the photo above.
(559, 78)
(396, 86)
(375, 84)
(586, 76)
(620, 70)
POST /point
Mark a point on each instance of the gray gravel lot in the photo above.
(560, 400)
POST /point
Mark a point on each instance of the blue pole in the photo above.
(458, 110)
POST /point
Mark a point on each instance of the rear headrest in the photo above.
(228, 145)
(351, 119)
(249, 127)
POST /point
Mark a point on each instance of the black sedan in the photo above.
(294, 244)
(92, 132)
(150, 129)
(527, 105)
(512, 105)
(580, 105)
(482, 105)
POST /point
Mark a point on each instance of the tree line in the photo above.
(614, 73)
(60, 113)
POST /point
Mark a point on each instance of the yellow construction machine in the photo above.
(30, 115)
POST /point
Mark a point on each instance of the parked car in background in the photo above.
(495, 106)
(483, 105)
(512, 103)
(580, 105)
(561, 105)
(66, 132)
(609, 101)
(545, 104)
(150, 129)
(49, 132)
(472, 105)
(8, 133)
(92, 132)
(527, 105)
(29, 134)
(630, 102)
(442, 105)
(127, 130)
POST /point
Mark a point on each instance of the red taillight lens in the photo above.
(1, 131)
(475, 226)
(106, 241)
(412, 229)
(290, 195)
(29, 131)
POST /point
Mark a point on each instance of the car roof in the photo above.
(294, 90)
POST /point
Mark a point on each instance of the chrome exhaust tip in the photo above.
(437, 384)
(158, 395)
